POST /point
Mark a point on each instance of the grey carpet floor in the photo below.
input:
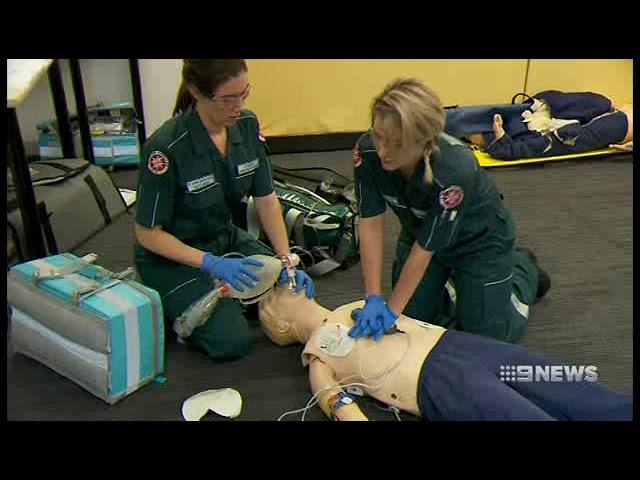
(577, 216)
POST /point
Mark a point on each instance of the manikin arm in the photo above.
(323, 380)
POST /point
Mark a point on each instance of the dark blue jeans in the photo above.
(461, 380)
(463, 121)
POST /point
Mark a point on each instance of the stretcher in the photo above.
(487, 161)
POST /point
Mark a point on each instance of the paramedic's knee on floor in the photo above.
(226, 335)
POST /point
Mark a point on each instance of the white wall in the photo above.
(159, 79)
(105, 80)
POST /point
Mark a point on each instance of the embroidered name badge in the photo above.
(200, 183)
(248, 167)
(451, 197)
(158, 163)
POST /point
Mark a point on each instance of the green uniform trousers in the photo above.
(226, 333)
(493, 286)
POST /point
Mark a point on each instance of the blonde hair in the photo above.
(412, 114)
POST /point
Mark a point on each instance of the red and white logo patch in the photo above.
(451, 197)
(158, 163)
(357, 158)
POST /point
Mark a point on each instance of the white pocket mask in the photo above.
(226, 402)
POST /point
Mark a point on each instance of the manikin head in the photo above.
(287, 317)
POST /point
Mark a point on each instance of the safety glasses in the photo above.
(231, 100)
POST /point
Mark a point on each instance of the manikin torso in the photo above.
(389, 367)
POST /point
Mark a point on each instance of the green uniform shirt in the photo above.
(449, 217)
(190, 189)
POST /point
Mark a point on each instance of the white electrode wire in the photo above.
(313, 400)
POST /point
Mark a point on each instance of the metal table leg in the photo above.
(24, 189)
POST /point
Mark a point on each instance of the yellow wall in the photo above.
(613, 78)
(298, 97)
(302, 97)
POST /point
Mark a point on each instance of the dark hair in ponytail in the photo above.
(206, 75)
(183, 99)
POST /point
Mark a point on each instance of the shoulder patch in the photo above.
(158, 163)
(451, 197)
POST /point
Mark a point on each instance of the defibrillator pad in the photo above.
(334, 339)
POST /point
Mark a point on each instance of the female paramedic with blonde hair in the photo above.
(455, 226)
(198, 166)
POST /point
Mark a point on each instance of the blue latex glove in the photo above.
(234, 271)
(303, 280)
(375, 318)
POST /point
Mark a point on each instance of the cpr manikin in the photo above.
(426, 370)
(387, 370)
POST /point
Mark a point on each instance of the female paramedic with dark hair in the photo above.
(455, 226)
(197, 167)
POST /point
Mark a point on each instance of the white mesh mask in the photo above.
(226, 402)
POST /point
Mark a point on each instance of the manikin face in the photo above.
(223, 106)
(393, 154)
(280, 311)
